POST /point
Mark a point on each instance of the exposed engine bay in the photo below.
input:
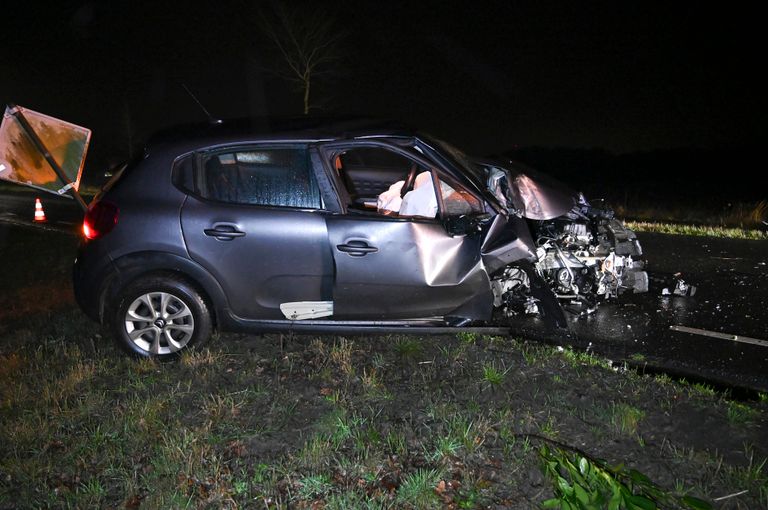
(584, 255)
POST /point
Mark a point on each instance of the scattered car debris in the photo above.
(681, 287)
(720, 335)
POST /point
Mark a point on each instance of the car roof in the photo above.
(305, 129)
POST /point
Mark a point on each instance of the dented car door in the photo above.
(396, 268)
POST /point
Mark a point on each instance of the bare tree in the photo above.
(306, 40)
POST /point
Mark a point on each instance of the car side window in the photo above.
(184, 173)
(260, 176)
(368, 171)
(379, 180)
(376, 180)
(457, 201)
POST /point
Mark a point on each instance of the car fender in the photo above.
(132, 266)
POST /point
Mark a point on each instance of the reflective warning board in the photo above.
(23, 163)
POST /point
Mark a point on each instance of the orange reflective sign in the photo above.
(22, 162)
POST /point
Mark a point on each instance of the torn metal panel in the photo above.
(583, 256)
(545, 298)
(528, 193)
(508, 240)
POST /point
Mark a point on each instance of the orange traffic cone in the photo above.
(39, 213)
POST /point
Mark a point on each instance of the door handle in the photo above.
(224, 232)
(356, 248)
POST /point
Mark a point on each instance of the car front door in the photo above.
(389, 266)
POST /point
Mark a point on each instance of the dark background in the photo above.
(620, 98)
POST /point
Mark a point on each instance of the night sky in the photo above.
(487, 75)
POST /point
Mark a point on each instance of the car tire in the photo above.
(160, 317)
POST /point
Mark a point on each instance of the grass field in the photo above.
(739, 221)
(335, 422)
(698, 230)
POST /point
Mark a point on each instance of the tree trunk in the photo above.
(306, 96)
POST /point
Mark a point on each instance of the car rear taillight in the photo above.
(100, 219)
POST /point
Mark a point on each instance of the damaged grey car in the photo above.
(336, 226)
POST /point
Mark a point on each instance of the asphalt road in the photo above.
(731, 300)
(61, 213)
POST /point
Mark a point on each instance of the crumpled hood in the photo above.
(529, 193)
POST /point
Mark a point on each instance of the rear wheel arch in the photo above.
(134, 267)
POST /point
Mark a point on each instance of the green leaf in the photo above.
(583, 466)
(581, 494)
(696, 503)
(641, 502)
(639, 477)
(615, 502)
(579, 480)
(564, 486)
(551, 503)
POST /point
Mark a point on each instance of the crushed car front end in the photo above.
(576, 254)
(583, 252)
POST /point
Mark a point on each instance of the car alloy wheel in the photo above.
(160, 317)
(159, 323)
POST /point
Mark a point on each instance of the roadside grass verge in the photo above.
(334, 422)
(36, 273)
(739, 215)
(697, 230)
(738, 221)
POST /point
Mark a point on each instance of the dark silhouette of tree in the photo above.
(306, 40)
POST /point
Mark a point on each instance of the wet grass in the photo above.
(265, 422)
(36, 272)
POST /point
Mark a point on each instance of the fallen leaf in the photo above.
(133, 502)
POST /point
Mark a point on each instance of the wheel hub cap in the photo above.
(159, 323)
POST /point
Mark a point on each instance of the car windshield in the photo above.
(460, 160)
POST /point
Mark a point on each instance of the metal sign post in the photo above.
(40, 146)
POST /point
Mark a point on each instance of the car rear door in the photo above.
(254, 220)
